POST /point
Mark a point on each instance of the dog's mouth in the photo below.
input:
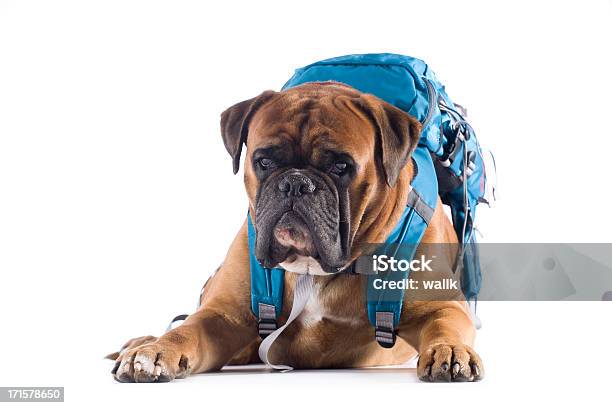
(293, 238)
(306, 227)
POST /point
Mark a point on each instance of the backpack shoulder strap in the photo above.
(384, 305)
(267, 286)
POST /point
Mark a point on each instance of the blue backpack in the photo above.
(449, 162)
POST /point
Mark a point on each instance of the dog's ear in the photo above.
(235, 124)
(398, 134)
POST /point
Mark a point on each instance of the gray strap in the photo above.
(179, 318)
(420, 206)
(301, 294)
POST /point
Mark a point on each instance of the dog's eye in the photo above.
(266, 163)
(339, 168)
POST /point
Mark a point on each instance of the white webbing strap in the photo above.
(301, 294)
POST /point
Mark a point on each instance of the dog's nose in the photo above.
(295, 184)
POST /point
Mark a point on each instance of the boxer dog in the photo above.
(327, 168)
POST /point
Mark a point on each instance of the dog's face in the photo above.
(326, 166)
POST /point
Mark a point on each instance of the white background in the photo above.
(117, 197)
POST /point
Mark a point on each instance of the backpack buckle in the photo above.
(385, 337)
(267, 320)
(384, 331)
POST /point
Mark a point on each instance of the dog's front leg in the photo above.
(209, 338)
(205, 342)
(443, 333)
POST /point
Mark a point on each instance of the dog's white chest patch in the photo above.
(315, 311)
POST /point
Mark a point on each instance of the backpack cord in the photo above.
(301, 294)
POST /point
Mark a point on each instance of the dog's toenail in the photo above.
(456, 368)
(137, 367)
(475, 370)
(444, 366)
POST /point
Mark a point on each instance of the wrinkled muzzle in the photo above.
(301, 213)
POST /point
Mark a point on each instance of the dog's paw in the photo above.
(449, 362)
(152, 362)
(130, 344)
